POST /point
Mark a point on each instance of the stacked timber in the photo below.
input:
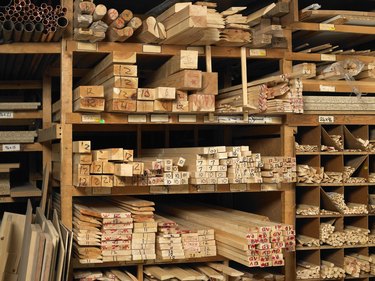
(307, 210)
(367, 73)
(17, 136)
(88, 99)
(347, 208)
(308, 174)
(144, 226)
(116, 74)
(108, 274)
(329, 270)
(306, 270)
(5, 169)
(356, 235)
(333, 50)
(339, 103)
(371, 237)
(348, 172)
(306, 148)
(329, 236)
(307, 241)
(339, 70)
(338, 17)
(95, 23)
(352, 266)
(151, 31)
(279, 169)
(332, 177)
(364, 262)
(246, 238)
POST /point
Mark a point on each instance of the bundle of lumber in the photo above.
(246, 238)
(152, 31)
(107, 274)
(15, 106)
(95, 23)
(328, 212)
(332, 177)
(180, 239)
(371, 237)
(5, 169)
(306, 147)
(102, 232)
(352, 266)
(356, 235)
(348, 172)
(88, 99)
(345, 69)
(363, 105)
(338, 17)
(329, 270)
(329, 236)
(279, 169)
(307, 241)
(306, 270)
(333, 50)
(347, 208)
(144, 226)
(307, 210)
(17, 136)
(364, 262)
(308, 174)
(367, 73)
(215, 165)
(116, 75)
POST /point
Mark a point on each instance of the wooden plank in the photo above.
(19, 105)
(183, 80)
(51, 133)
(88, 92)
(89, 105)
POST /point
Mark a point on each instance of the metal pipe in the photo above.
(20, 19)
(8, 28)
(2, 18)
(32, 6)
(7, 17)
(38, 19)
(62, 24)
(51, 33)
(39, 27)
(44, 35)
(28, 32)
(43, 6)
(50, 8)
(18, 30)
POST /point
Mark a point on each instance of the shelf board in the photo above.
(21, 193)
(297, 56)
(26, 147)
(313, 119)
(336, 153)
(336, 184)
(30, 114)
(77, 265)
(309, 26)
(31, 48)
(341, 86)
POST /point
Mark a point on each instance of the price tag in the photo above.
(163, 118)
(151, 49)
(264, 120)
(258, 53)
(6, 114)
(326, 26)
(84, 46)
(187, 118)
(326, 119)
(11, 147)
(137, 118)
(230, 119)
(91, 118)
(324, 88)
(326, 57)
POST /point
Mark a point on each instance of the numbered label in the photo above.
(6, 114)
(91, 118)
(258, 53)
(324, 88)
(11, 147)
(326, 119)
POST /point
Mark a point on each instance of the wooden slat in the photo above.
(51, 133)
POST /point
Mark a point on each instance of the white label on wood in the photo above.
(187, 118)
(11, 147)
(199, 49)
(151, 49)
(159, 118)
(6, 114)
(326, 26)
(326, 119)
(231, 119)
(324, 88)
(84, 46)
(258, 52)
(91, 118)
(137, 118)
(327, 57)
(263, 120)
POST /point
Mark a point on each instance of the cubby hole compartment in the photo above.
(308, 227)
(351, 135)
(308, 195)
(308, 256)
(335, 256)
(361, 165)
(335, 164)
(308, 136)
(357, 195)
(338, 224)
(372, 133)
(365, 251)
(371, 178)
(329, 133)
(354, 239)
(312, 161)
(326, 204)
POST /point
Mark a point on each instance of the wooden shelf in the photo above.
(341, 86)
(37, 114)
(313, 120)
(26, 147)
(296, 56)
(77, 265)
(31, 48)
(336, 184)
(309, 26)
(21, 193)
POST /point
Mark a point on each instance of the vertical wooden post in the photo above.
(208, 53)
(47, 116)
(140, 272)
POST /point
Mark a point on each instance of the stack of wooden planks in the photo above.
(371, 177)
(17, 136)
(307, 241)
(144, 226)
(308, 174)
(329, 236)
(329, 270)
(307, 210)
(279, 169)
(117, 76)
(362, 105)
(330, 49)
(306, 147)
(108, 274)
(346, 208)
(5, 169)
(338, 17)
(88, 99)
(95, 23)
(367, 73)
(306, 270)
(246, 238)
(340, 70)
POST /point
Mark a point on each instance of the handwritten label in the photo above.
(137, 118)
(326, 119)
(6, 114)
(11, 147)
(326, 57)
(164, 118)
(84, 46)
(91, 118)
(327, 26)
(151, 49)
(324, 88)
(258, 53)
(187, 118)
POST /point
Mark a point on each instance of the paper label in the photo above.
(187, 118)
(137, 118)
(159, 118)
(91, 118)
(327, 26)
(326, 57)
(151, 49)
(11, 147)
(326, 119)
(6, 114)
(84, 46)
(262, 120)
(258, 53)
(324, 88)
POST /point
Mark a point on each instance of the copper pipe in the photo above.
(62, 14)
(8, 28)
(17, 2)
(18, 30)
(28, 2)
(25, 18)
(45, 22)
(28, 32)
(32, 6)
(51, 34)
(11, 12)
(62, 24)
(44, 35)
(39, 28)
(18, 9)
